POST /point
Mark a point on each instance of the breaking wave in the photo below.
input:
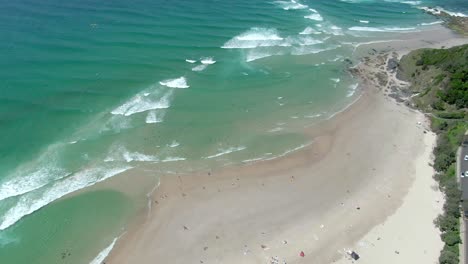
(226, 151)
(309, 31)
(99, 259)
(180, 82)
(199, 67)
(255, 37)
(207, 61)
(154, 116)
(33, 201)
(143, 102)
(438, 10)
(290, 5)
(382, 29)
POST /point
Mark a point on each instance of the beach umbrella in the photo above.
(302, 254)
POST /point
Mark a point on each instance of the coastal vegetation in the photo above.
(439, 86)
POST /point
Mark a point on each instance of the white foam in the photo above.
(256, 54)
(226, 151)
(180, 82)
(330, 29)
(314, 16)
(291, 150)
(438, 10)
(431, 23)
(276, 129)
(290, 5)
(336, 80)
(364, 21)
(33, 175)
(120, 153)
(141, 103)
(303, 50)
(255, 37)
(190, 61)
(382, 29)
(337, 58)
(307, 41)
(136, 156)
(208, 61)
(155, 116)
(174, 144)
(309, 31)
(170, 159)
(99, 259)
(116, 123)
(313, 116)
(33, 201)
(411, 2)
(199, 67)
(352, 89)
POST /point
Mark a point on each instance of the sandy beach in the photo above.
(357, 186)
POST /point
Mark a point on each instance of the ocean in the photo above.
(91, 89)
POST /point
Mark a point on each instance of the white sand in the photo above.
(409, 235)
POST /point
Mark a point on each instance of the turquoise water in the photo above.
(90, 89)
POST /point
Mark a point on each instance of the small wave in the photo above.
(199, 67)
(307, 41)
(438, 10)
(207, 61)
(382, 29)
(154, 117)
(170, 159)
(33, 175)
(309, 31)
(411, 2)
(352, 90)
(99, 259)
(336, 80)
(432, 23)
(141, 103)
(33, 201)
(255, 37)
(116, 123)
(174, 144)
(290, 151)
(121, 153)
(276, 129)
(256, 54)
(364, 21)
(180, 82)
(304, 50)
(290, 5)
(190, 61)
(226, 151)
(337, 58)
(330, 29)
(313, 116)
(314, 16)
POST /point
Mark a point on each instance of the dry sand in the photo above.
(367, 166)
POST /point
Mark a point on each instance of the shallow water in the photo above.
(91, 89)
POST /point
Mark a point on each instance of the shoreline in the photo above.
(265, 186)
(259, 180)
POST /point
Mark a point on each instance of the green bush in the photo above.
(451, 238)
(450, 115)
(448, 257)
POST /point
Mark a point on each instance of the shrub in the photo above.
(448, 257)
